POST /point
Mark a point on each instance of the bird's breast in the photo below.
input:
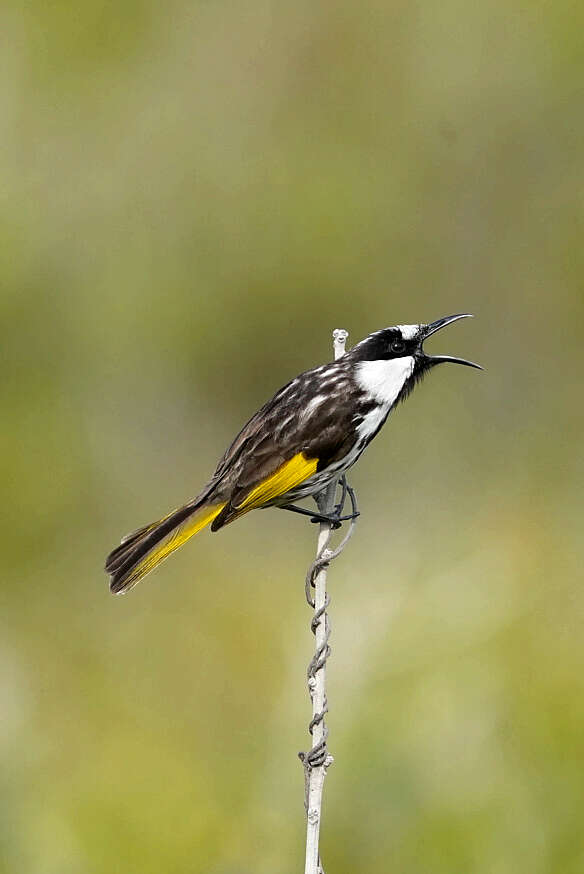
(370, 422)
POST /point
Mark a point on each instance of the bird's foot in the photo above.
(335, 518)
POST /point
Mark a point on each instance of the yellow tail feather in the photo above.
(145, 549)
(172, 541)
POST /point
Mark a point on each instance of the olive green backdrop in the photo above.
(194, 194)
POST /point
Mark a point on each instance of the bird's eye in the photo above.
(398, 346)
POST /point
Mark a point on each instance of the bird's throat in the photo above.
(383, 380)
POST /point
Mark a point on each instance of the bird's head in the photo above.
(391, 361)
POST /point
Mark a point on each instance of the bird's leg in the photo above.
(339, 507)
(334, 518)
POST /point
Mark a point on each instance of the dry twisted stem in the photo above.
(317, 759)
(318, 756)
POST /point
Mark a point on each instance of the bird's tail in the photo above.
(141, 551)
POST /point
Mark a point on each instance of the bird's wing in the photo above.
(254, 431)
(261, 479)
(281, 447)
(270, 486)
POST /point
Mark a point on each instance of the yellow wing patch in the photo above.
(173, 541)
(289, 475)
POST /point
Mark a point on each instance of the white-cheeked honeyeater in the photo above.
(311, 431)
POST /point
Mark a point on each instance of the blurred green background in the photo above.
(194, 194)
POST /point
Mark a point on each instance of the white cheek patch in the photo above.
(408, 332)
(384, 380)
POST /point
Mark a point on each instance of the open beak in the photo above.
(428, 330)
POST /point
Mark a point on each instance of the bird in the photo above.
(305, 437)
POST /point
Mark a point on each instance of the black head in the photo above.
(404, 341)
